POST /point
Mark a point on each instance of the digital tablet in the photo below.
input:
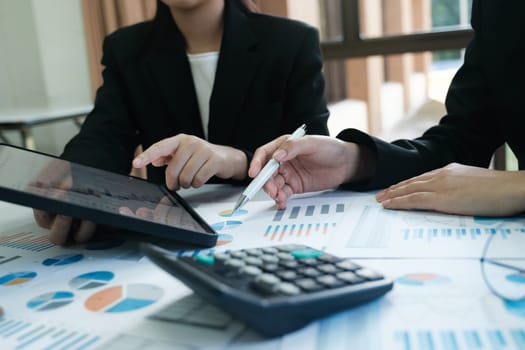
(45, 182)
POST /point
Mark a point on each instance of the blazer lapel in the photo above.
(237, 65)
(168, 65)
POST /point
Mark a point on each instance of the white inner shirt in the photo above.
(203, 68)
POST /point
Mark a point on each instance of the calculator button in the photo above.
(310, 262)
(269, 259)
(287, 289)
(347, 265)
(349, 277)
(239, 254)
(253, 261)
(329, 281)
(234, 263)
(328, 268)
(265, 283)
(205, 259)
(368, 274)
(306, 253)
(221, 257)
(254, 252)
(270, 267)
(285, 256)
(287, 275)
(309, 271)
(289, 247)
(327, 258)
(251, 271)
(270, 250)
(291, 264)
(308, 285)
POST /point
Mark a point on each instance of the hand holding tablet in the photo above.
(70, 190)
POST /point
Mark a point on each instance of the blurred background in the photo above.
(388, 63)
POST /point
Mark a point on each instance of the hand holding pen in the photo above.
(266, 172)
(311, 163)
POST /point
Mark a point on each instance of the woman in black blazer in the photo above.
(446, 168)
(268, 81)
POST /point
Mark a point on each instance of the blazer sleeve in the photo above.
(305, 100)
(467, 134)
(108, 136)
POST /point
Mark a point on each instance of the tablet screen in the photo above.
(91, 190)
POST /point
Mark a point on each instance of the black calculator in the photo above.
(274, 290)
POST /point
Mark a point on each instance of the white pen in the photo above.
(266, 172)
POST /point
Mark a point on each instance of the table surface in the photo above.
(68, 296)
(35, 116)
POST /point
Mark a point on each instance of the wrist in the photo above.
(241, 165)
(361, 163)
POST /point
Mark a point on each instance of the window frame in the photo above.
(354, 45)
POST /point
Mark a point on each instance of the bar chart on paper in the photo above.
(375, 227)
(307, 220)
(492, 339)
(8, 259)
(374, 231)
(278, 233)
(16, 334)
(26, 241)
(433, 226)
(303, 221)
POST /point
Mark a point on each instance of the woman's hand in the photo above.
(460, 189)
(311, 163)
(192, 161)
(61, 228)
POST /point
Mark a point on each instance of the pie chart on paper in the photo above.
(91, 280)
(226, 225)
(124, 298)
(17, 278)
(50, 301)
(63, 260)
(229, 213)
(224, 239)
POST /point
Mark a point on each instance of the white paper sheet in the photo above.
(109, 296)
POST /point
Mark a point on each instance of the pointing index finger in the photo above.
(157, 150)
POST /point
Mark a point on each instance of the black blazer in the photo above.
(268, 82)
(485, 103)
